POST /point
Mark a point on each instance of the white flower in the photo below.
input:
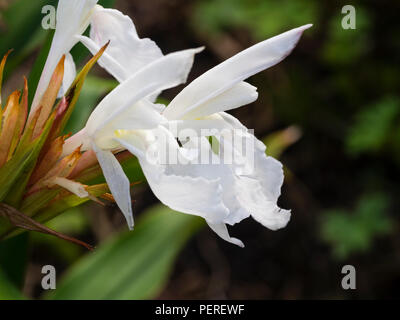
(143, 71)
(127, 119)
(127, 107)
(72, 20)
(236, 194)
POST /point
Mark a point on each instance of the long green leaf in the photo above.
(134, 265)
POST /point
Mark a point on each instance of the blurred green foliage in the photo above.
(353, 232)
(260, 17)
(376, 127)
(132, 265)
(346, 46)
(343, 94)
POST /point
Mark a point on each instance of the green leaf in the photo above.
(7, 290)
(133, 265)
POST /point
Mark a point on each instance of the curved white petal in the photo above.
(196, 196)
(126, 53)
(268, 170)
(211, 166)
(250, 186)
(117, 182)
(192, 195)
(72, 20)
(106, 61)
(222, 231)
(232, 71)
(239, 95)
(166, 72)
(69, 74)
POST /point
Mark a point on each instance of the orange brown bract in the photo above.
(36, 180)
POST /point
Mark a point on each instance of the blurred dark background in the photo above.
(340, 90)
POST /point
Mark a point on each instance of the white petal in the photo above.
(207, 126)
(196, 196)
(221, 230)
(117, 182)
(73, 16)
(72, 186)
(107, 61)
(215, 168)
(268, 170)
(69, 74)
(141, 115)
(250, 188)
(191, 195)
(126, 53)
(166, 72)
(232, 71)
(239, 95)
(72, 20)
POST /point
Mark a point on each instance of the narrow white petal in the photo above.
(166, 72)
(239, 95)
(73, 16)
(221, 230)
(72, 186)
(117, 182)
(69, 74)
(126, 53)
(72, 20)
(238, 68)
